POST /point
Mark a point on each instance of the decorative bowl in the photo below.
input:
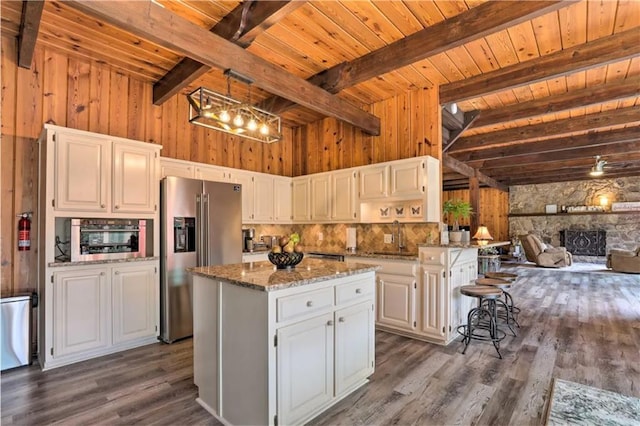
(285, 260)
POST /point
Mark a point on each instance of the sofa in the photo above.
(624, 260)
(544, 254)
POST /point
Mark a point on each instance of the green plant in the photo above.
(458, 209)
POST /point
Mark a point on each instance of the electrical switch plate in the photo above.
(320, 236)
(388, 238)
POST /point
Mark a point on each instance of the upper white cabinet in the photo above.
(320, 197)
(301, 203)
(282, 200)
(179, 168)
(263, 201)
(344, 206)
(99, 174)
(212, 173)
(374, 182)
(407, 178)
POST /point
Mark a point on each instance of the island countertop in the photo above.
(264, 276)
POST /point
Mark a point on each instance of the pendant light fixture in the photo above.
(226, 114)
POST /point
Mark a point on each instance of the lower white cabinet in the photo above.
(284, 356)
(100, 309)
(396, 301)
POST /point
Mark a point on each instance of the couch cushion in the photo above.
(625, 253)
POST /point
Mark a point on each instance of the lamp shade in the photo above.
(482, 234)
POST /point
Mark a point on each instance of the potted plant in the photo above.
(459, 210)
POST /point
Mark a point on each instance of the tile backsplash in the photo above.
(370, 237)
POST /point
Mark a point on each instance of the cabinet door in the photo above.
(135, 185)
(263, 198)
(304, 368)
(81, 311)
(301, 200)
(134, 302)
(320, 197)
(246, 180)
(169, 167)
(282, 200)
(82, 172)
(407, 179)
(355, 342)
(396, 301)
(374, 182)
(432, 297)
(212, 173)
(343, 202)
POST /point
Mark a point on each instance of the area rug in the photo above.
(575, 404)
(576, 267)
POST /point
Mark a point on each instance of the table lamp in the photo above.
(482, 235)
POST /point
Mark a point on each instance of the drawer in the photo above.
(356, 290)
(399, 267)
(432, 258)
(303, 304)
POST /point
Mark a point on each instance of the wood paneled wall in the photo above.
(494, 210)
(63, 90)
(411, 126)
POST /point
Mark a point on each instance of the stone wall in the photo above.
(623, 230)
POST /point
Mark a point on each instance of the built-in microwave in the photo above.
(103, 239)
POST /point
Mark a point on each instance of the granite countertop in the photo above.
(264, 276)
(103, 261)
(467, 245)
(365, 253)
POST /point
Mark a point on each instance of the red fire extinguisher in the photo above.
(24, 232)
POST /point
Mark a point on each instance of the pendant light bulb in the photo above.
(224, 116)
(238, 121)
(264, 129)
(252, 125)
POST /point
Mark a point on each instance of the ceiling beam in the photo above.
(555, 144)
(473, 24)
(154, 23)
(28, 34)
(260, 15)
(469, 118)
(463, 169)
(595, 53)
(623, 89)
(590, 151)
(607, 118)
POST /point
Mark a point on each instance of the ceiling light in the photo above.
(226, 114)
(454, 108)
(598, 167)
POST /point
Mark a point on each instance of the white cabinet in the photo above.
(407, 178)
(445, 270)
(301, 194)
(374, 182)
(179, 168)
(134, 302)
(344, 206)
(82, 311)
(282, 201)
(305, 368)
(99, 174)
(396, 301)
(308, 346)
(320, 197)
(263, 200)
(212, 173)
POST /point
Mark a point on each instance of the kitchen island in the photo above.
(281, 346)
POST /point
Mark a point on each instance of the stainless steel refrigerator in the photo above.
(201, 225)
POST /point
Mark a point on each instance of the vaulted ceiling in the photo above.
(541, 86)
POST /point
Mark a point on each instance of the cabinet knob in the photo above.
(432, 258)
(358, 291)
(341, 319)
(102, 206)
(102, 274)
(117, 207)
(310, 303)
(329, 322)
(116, 273)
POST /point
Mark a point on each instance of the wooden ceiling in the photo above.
(541, 86)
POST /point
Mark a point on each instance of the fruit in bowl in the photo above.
(287, 253)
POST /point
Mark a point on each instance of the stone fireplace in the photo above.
(584, 243)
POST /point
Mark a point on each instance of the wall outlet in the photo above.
(388, 238)
(320, 236)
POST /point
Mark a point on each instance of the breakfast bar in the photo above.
(280, 346)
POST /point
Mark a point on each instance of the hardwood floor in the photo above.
(575, 326)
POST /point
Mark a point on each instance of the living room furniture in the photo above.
(624, 260)
(544, 254)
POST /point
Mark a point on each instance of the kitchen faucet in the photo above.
(399, 233)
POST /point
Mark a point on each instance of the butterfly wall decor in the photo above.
(399, 211)
(416, 211)
(384, 211)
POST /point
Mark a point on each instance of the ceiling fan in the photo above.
(598, 167)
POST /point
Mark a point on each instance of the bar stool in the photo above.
(507, 296)
(482, 318)
(505, 313)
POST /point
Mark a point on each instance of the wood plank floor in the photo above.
(575, 326)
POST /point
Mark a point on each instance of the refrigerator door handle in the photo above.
(205, 229)
(199, 233)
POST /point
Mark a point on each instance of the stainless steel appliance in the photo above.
(15, 330)
(325, 256)
(248, 234)
(200, 225)
(104, 239)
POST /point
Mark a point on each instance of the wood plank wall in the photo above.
(410, 127)
(494, 210)
(63, 90)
